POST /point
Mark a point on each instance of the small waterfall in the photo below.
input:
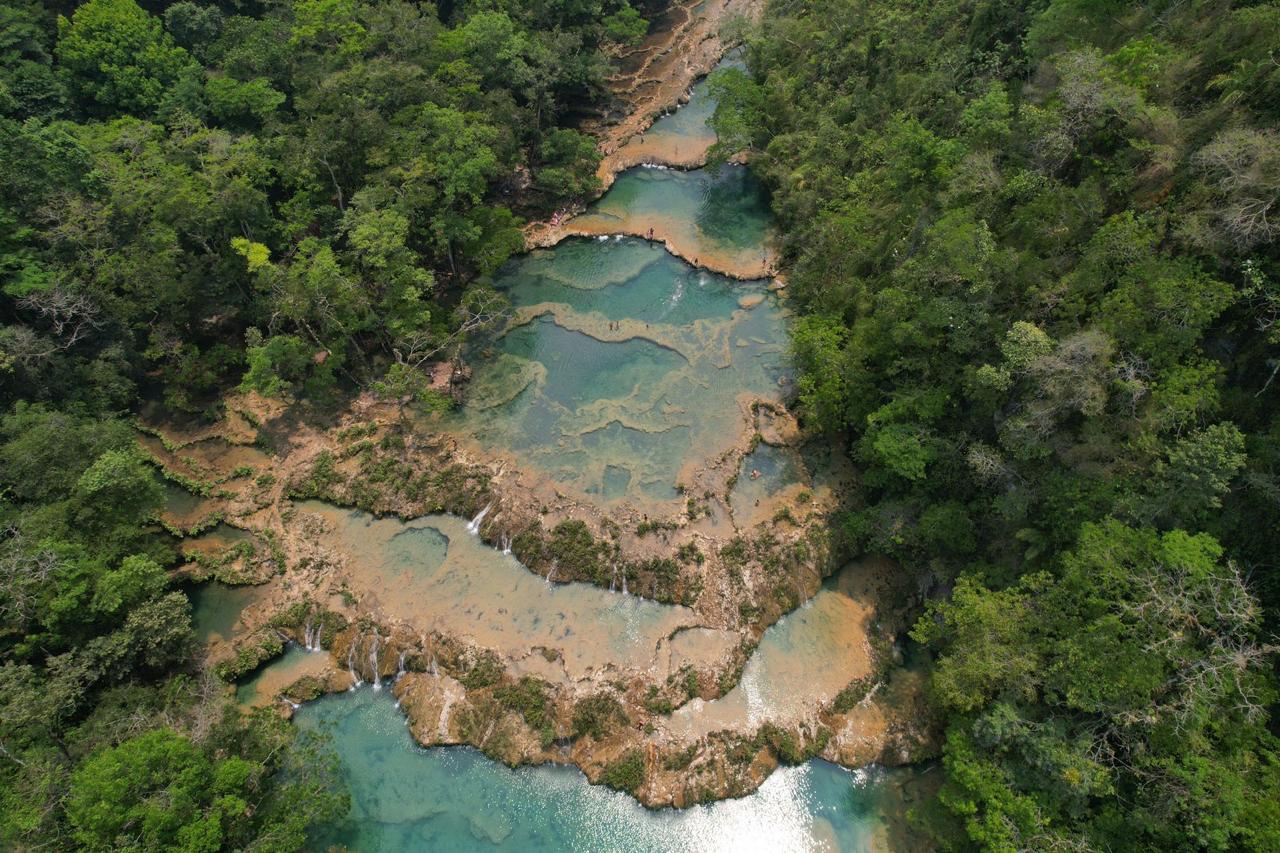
(624, 583)
(473, 526)
(311, 635)
(613, 580)
(551, 572)
(373, 661)
(356, 681)
(435, 671)
(400, 666)
(506, 544)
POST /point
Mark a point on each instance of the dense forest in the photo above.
(1034, 243)
(283, 196)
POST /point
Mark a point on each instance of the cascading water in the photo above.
(551, 572)
(373, 661)
(473, 526)
(356, 681)
(382, 776)
(400, 666)
(311, 635)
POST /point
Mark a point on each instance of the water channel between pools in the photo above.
(623, 367)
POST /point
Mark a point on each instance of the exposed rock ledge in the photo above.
(455, 690)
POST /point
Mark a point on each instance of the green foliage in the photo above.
(596, 715)
(118, 57)
(1037, 294)
(192, 25)
(282, 363)
(252, 653)
(625, 26)
(334, 174)
(159, 791)
(531, 698)
(1042, 675)
(404, 382)
(627, 773)
(738, 119)
(485, 671)
(569, 165)
(34, 468)
(232, 101)
(113, 497)
(296, 198)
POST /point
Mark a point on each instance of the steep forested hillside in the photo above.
(289, 196)
(1035, 247)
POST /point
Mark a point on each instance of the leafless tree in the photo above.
(1243, 168)
(71, 315)
(1219, 616)
(24, 575)
(481, 308)
(1134, 377)
(988, 465)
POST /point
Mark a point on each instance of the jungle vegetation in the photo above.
(290, 196)
(1034, 245)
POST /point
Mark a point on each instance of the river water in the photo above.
(405, 797)
(625, 366)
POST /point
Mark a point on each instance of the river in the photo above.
(405, 797)
(626, 365)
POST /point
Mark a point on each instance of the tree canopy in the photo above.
(302, 198)
(1033, 247)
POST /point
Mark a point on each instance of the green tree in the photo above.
(118, 57)
(569, 161)
(157, 791)
(278, 364)
(114, 497)
(625, 26)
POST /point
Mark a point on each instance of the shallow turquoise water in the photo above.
(433, 571)
(628, 365)
(688, 124)
(778, 468)
(803, 661)
(635, 365)
(215, 607)
(724, 213)
(635, 369)
(265, 684)
(408, 798)
(626, 278)
(581, 369)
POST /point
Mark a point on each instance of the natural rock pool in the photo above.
(625, 369)
(434, 574)
(405, 797)
(625, 366)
